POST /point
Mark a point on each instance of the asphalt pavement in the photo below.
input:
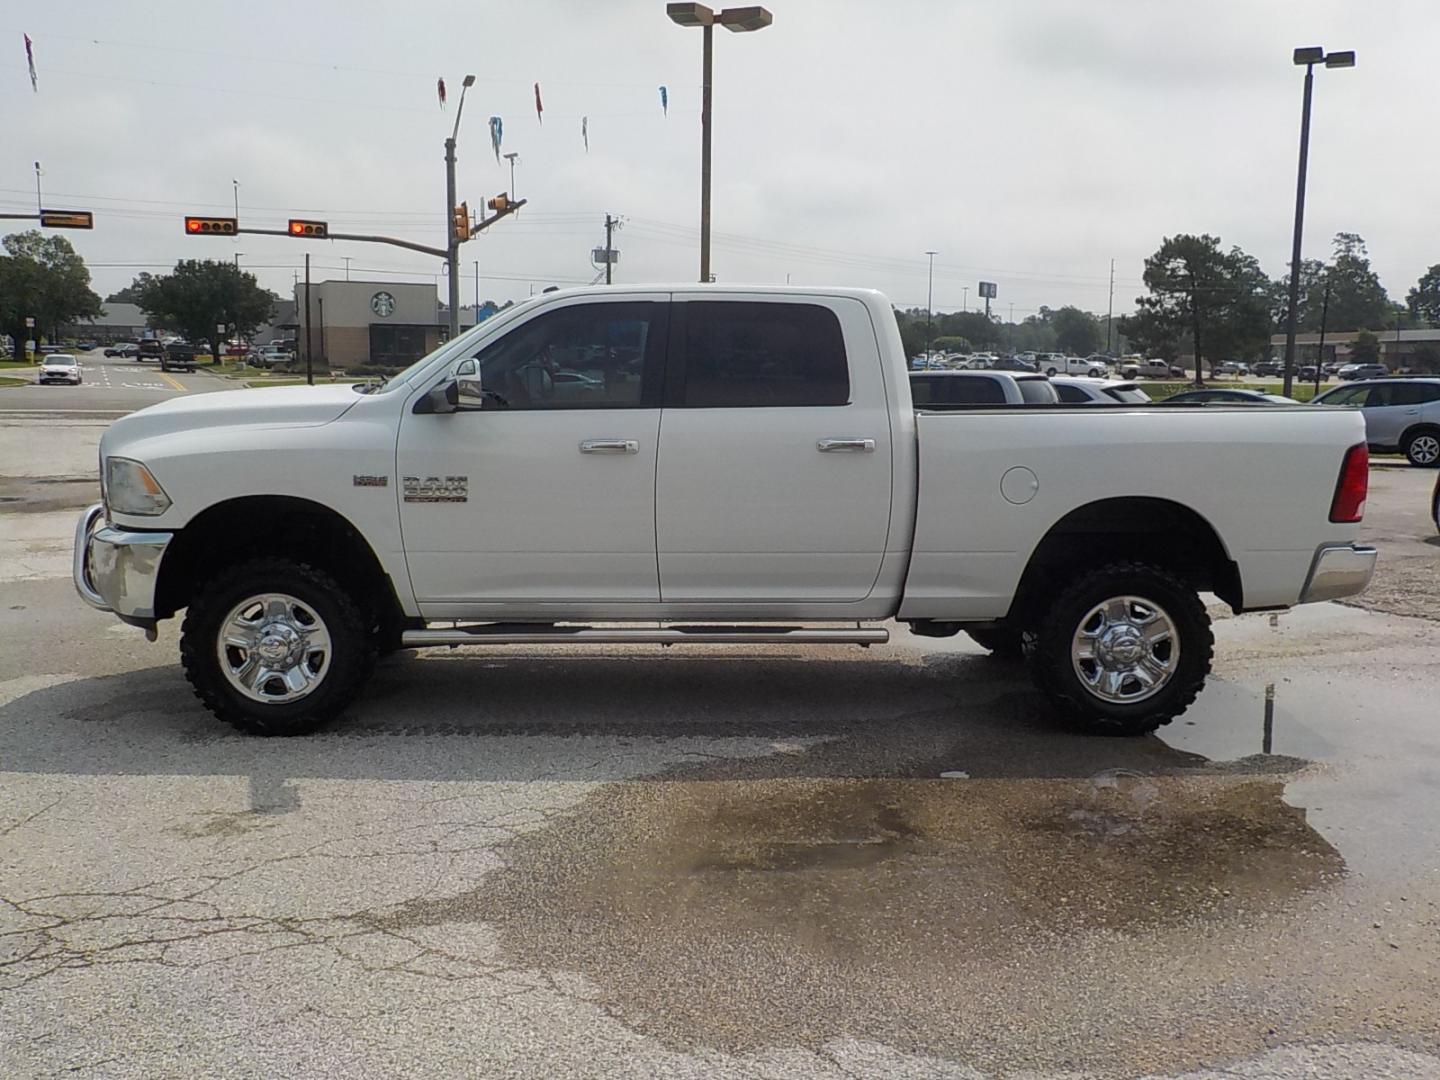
(109, 385)
(741, 862)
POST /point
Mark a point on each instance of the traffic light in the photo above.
(500, 202)
(67, 219)
(462, 221)
(211, 226)
(319, 230)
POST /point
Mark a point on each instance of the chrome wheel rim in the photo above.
(274, 648)
(1126, 649)
(1425, 449)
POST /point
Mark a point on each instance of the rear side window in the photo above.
(957, 390)
(1072, 395)
(745, 354)
(1037, 392)
(1129, 395)
(1406, 393)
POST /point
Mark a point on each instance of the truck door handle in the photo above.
(609, 446)
(841, 446)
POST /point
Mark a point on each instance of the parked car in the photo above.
(1400, 414)
(1229, 396)
(1233, 367)
(150, 349)
(124, 349)
(791, 484)
(1079, 390)
(1435, 504)
(1268, 369)
(59, 367)
(1308, 372)
(939, 389)
(1351, 372)
(1153, 368)
(178, 356)
(1059, 364)
(47, 349)
(269, 356)
(1012, 363)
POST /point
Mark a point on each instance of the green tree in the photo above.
(952, 343)
(200, 295)
(1366, 349)
(1424, 299)
(1153, 334)
(1426, 357)
(42, 277)
(131, 293)
(1357, 299)
(1221, 299)
(1076, 331)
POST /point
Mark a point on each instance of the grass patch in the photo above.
(6, 365)
(10, 380)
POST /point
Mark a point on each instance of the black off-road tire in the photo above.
(1055, 674)
(1004, 644)
(350, 663)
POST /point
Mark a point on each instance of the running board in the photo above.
(522, 634)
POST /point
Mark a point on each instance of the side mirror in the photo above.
(469, 393)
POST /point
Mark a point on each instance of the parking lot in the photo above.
(628, 861)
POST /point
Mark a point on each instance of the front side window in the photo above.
(741, 354)
(586, 356)
(1036, 392)
(1349, 395)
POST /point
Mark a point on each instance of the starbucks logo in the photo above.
(383, 304)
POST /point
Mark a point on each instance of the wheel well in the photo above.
(261, 525)
(1150, 530)
(1418, 429)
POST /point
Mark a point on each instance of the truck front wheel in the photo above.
(1124, 649)
(275, 647)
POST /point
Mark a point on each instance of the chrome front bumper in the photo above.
(117, 569)
(1337, 571)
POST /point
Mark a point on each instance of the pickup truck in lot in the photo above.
(741, 465)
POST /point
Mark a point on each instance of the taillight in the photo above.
(1354, 484)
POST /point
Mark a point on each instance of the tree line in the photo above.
(1209, 302)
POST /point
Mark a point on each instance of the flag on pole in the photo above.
(539, 108)
(497, 132)
(440, 89)
(665, 101)
(585, 131)
(30, 60)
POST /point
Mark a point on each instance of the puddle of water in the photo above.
(774, 910)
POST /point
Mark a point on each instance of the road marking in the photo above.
(176, 383)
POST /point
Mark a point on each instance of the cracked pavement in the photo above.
(751, 863)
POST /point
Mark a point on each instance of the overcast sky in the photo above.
(1029, 142)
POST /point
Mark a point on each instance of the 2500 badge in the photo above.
(435, 489)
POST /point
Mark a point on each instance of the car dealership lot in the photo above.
(743, 862)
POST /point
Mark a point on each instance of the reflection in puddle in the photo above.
(794, 907)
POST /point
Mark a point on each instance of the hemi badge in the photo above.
(372, 481)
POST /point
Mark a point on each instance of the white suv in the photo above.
(1400, 414)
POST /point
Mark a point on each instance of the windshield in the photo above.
(1130, 395)
(403, 377)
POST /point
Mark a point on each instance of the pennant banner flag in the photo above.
(497, 131)
(585, 132)
(539, 109)
(665, 101)
(440, 89)
(30, 60)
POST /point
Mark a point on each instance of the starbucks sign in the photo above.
(382, 304)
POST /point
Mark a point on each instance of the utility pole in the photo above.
(39, 200)
(452, 242)
(609, 248)
(347, 266)
(930, 292)
(1320, 352)
(477, 292)
(965, 298)
(1110, 313)
(510, 157)
(236, 185)
(309, 353)
(1012, 328)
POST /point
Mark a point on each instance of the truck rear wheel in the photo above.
(1124, 649)
(275, 647)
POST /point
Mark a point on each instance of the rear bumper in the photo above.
(118, 569)
(1338, 570)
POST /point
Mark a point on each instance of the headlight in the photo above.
(130, 489)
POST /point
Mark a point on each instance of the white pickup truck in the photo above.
(698, 464)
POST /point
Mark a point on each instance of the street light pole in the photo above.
(1308, 57)
(452, 246)
(930, 305)
(739, 20)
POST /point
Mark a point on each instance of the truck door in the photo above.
(545, 493)
(774, 480)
